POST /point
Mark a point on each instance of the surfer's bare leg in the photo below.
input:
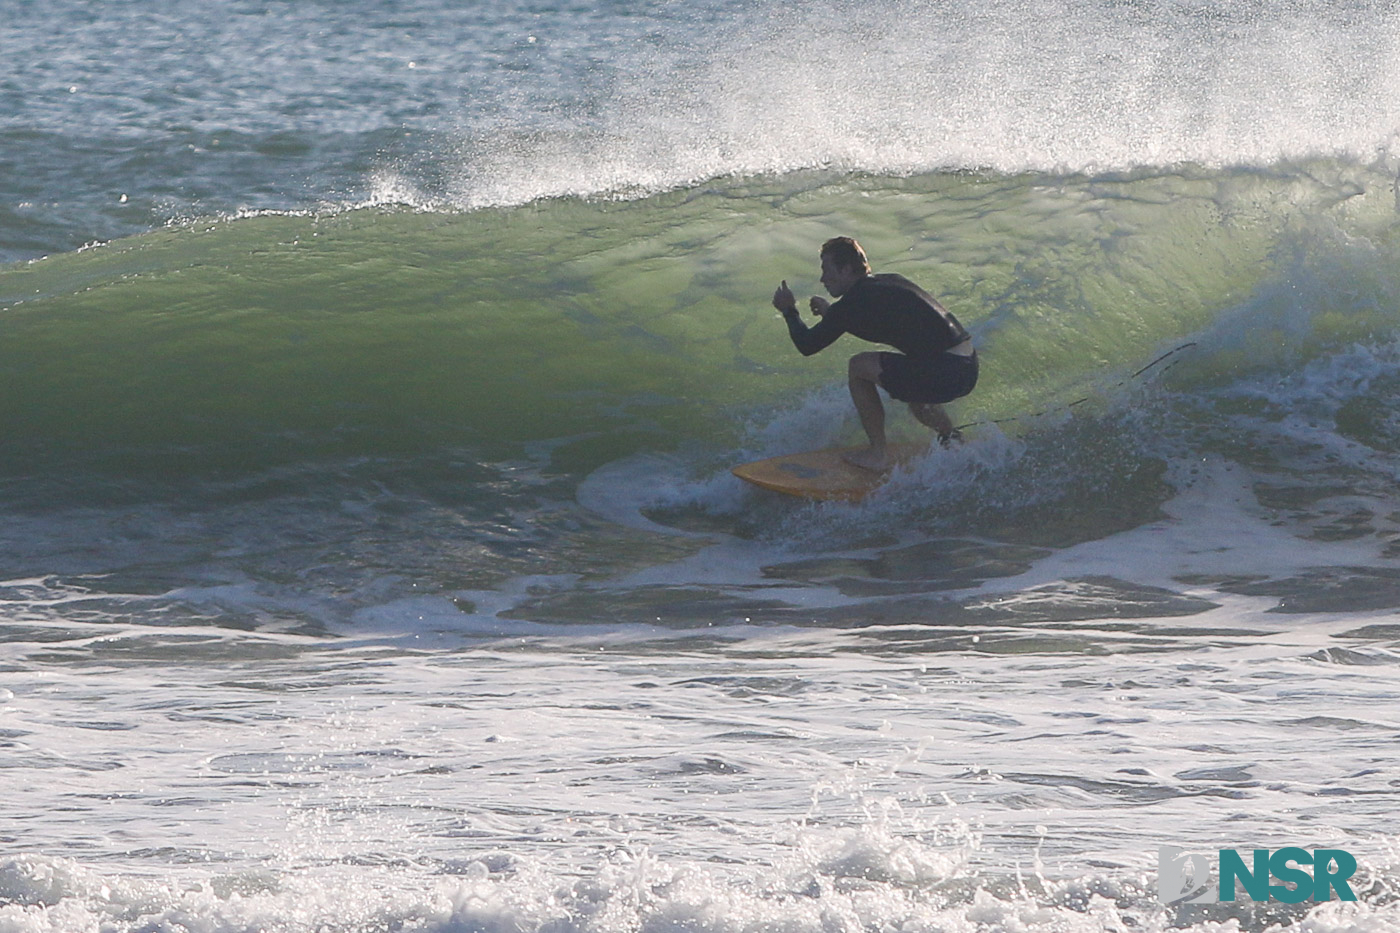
(932, 416)
(935, 416)
(863, 376)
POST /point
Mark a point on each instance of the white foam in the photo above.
(621, 490)
(1215, 526)
(890, 888)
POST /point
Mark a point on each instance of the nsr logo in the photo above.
(1184, 878)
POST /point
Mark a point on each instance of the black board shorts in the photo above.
(942, 379)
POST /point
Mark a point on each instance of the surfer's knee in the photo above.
(865, 367)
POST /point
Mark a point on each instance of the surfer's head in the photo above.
(843, 265)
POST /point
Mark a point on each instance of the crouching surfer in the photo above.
(935, 363)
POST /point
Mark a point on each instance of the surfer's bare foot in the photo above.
(868, 459)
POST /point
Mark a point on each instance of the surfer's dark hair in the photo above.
(846, 253)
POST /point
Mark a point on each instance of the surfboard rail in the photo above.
(824, 474)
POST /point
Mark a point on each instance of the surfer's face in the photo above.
(837, 280)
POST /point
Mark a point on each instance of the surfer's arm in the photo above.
(809, 340)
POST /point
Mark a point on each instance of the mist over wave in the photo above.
(117, 130)
(906, 87)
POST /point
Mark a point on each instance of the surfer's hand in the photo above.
(783, 298)
(819, 305)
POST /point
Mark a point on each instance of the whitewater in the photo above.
(370, 376)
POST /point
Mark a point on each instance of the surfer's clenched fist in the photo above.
(783, 299)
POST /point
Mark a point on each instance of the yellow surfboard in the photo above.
(823, 474)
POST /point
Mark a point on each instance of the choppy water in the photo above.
(370, 557)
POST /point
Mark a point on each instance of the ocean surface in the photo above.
(370, 375)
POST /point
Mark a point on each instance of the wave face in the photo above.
(383, 330)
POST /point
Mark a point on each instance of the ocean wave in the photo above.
(1128, 324)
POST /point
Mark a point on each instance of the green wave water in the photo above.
(604, 328)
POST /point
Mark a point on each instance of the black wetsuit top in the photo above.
(885, 308)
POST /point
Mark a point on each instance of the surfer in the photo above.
(935, 363)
